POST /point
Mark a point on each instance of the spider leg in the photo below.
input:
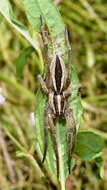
(45, 132)
(68, 128)
(53, 133)
(69, 60)
(44, 87)
(68, 92)
(44, 39)
(70, 118)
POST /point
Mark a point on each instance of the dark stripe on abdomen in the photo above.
(58, 74)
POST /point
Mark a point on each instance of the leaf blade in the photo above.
(21, 61)
(56, 29)
(88, 145)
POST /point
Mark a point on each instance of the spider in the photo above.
(57, 90)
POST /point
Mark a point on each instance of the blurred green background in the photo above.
(86, 21)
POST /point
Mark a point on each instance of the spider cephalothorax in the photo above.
(57, 89)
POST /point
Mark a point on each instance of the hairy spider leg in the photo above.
(46, 124)
(43, 84)
(48, 121)
(45, 118)
(68, 92)
(74, 130)
(68, 132)
(44, 38)
(53, 133)
(70, 118)
(67, 83)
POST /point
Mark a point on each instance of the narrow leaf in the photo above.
(22, 60)
(56, 28)
(33, 13)
(52, 19)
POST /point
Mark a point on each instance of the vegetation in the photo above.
(20, 142)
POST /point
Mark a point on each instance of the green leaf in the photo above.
(22, 60)
(7, 12)
(88, 145)
(51, 17)
(56, 28)
(33, 13)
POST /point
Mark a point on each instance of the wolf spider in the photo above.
(57, 90)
